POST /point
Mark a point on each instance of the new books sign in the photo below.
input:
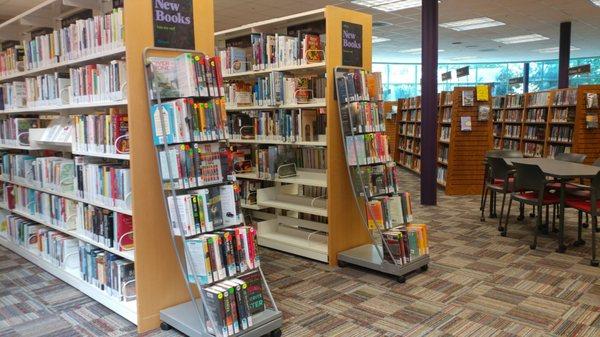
(173, 24)
(352, 46)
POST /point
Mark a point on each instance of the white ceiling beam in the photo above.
(37, 21)
(90, 4)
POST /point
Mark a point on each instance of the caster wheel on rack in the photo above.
(164, 326)
(342, 264)
(401, 279)
(276, 333)
(425, 267)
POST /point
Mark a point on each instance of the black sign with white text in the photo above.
(461, 72)
(516, 80)
(446, 76)
(584, 69)
(352, 45)
(173, 24)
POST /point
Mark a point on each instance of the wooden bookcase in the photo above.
(159, 282)
(583, 140)
(391, 126)
(344, 229)
(462, 172)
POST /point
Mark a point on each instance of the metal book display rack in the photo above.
(373, 255)
(191, 317)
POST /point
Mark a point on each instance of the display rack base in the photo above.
(184, 318)
(366, 256)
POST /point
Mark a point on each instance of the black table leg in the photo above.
(561, 222)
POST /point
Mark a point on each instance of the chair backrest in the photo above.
(571, 157)
(499, 169)
(597, 162)
(530, 177)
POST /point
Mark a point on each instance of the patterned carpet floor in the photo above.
(478, 284)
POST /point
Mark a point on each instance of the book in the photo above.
(256, 301)
(468, 98)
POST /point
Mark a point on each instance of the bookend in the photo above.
(374, 256)
(190, 318)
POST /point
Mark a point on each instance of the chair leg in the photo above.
(501, 211)
(554, 229)
(483, 202)
(587, 221)
(505, 229)
(547, 223)
(537, 227)
(532, 214)
(493, 206)
(580, 241)
(594, 261)
(521, 212)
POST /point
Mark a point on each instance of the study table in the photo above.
(563, 172)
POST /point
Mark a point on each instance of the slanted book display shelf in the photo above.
(544, 124)
(281, 113)
(462, 139)
(81, 113)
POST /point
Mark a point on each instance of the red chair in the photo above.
(589, 205)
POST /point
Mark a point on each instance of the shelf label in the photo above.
(173, 22)
(461, 72)
(352, 44)
(584, 69)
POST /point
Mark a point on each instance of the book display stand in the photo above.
(363, 134)
(215, 251)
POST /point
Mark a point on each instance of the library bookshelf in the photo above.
(460, 167)
(546, 123)
(280, 205)
(391, 125)
(156, 270)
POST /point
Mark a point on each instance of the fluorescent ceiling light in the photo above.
(471, 24)
(596, 2)
(417, 51)
(463, 58)
(388, 5)
(555, 49)
(377, 39)
(522, 39)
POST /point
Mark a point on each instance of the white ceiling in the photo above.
(521, 17)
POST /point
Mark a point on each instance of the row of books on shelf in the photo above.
(366, 116)
(276, 89)
(367, 149)
(554, 150)
(445, 133)
(513, 116)
(446, 115)
(186, 120)
(387, 212)
(264, 161)
(47, 47)
(405, 243)
(512, 131)
(510, 144)
(539, 99)
(409, 160)
(249, 188)
(515, 101)
(15, 131)
(102, 182)
(498, 102)
(413, 130)
(561, 134)
(411, 116)
(442, 173)
(86, 84)
(187, 75)
(411, 103)
(108, 272)
(446, 98)
(111, 229)
(443, 151)
(533, 149)
(205, 210)
(233, 303)
(535, 133)
(192, 165)
(497, 130)
(563, 115)
(96, 133)
(264, 51)
(536, 115)
(222, 254)
(359, 85)
(307, 125)
(566, 97)
(376, 180)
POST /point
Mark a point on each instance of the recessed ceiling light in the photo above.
(555, 49)
(417, 51)
(463, 58)
(377, 39)
(470, 24)
(388, 5)
(521, 39)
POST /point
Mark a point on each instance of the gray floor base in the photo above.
(183, 317)
(366, 256)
